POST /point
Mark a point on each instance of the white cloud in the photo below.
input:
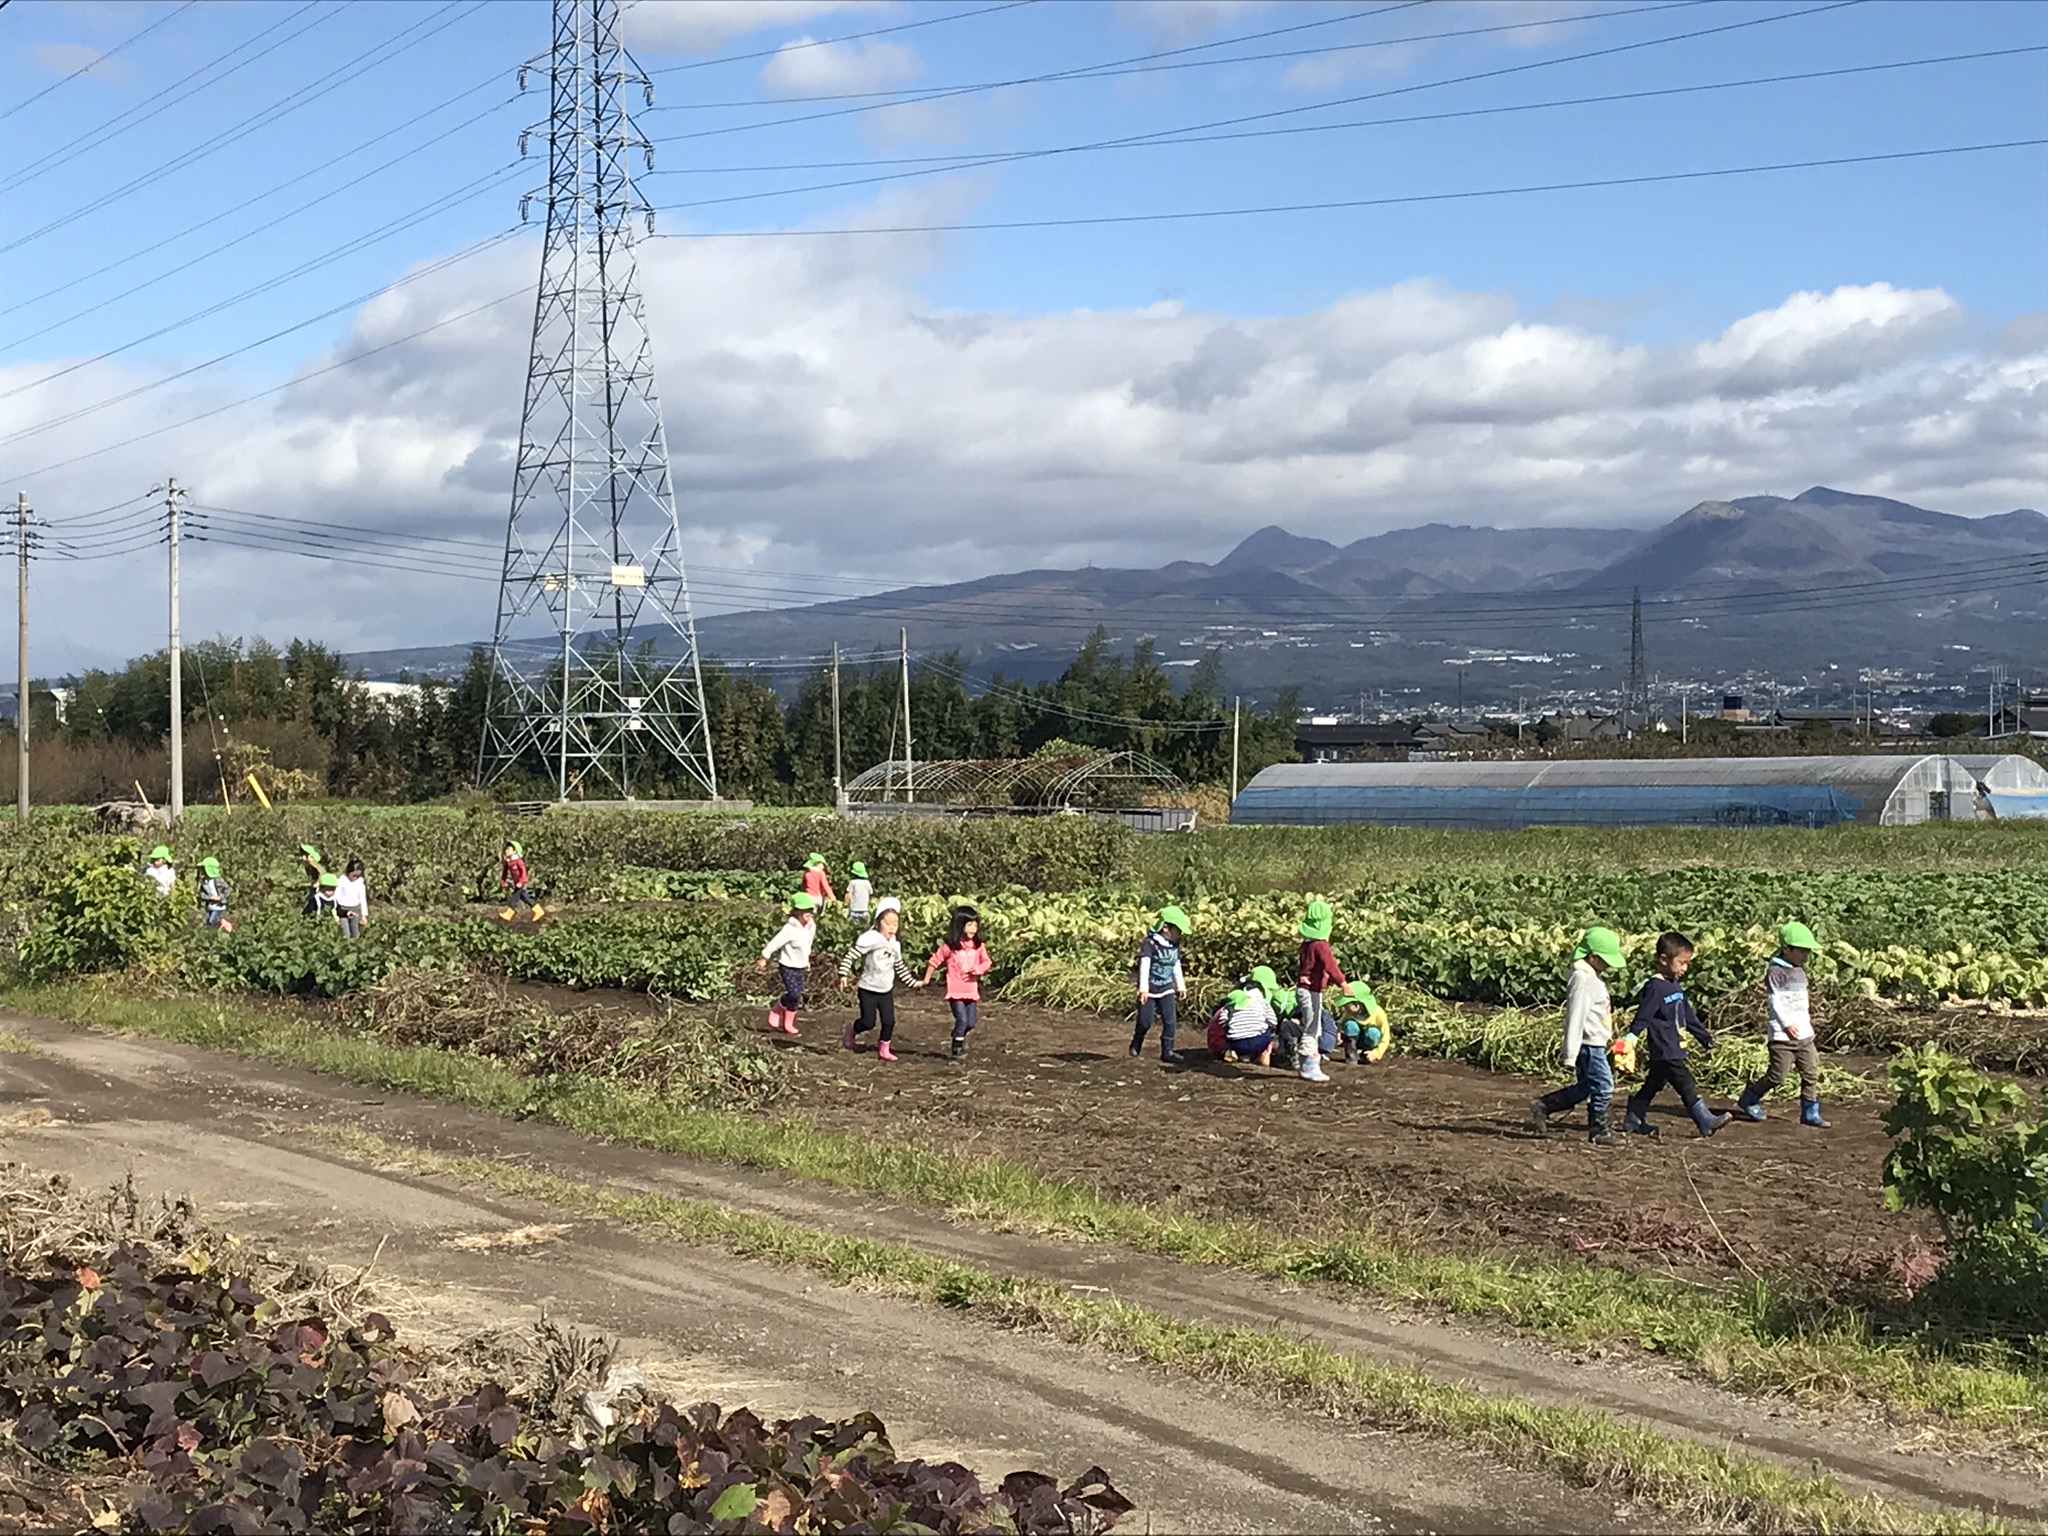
(825, 415)
(71, 58)
(703, 26)
(807, 67)
(1179, 22)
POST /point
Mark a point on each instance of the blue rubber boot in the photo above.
(1747, 1106)
(1809, 1114)
(1705, 1119)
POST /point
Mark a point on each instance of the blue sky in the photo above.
(1576, 307)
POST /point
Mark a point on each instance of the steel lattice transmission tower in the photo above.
(1635, 704)
(593, 556)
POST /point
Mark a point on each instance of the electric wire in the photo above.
(94, 63)
(851, 37)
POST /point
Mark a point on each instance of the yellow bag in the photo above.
(1623, 1050)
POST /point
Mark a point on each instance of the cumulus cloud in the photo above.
(74, 59)
(807, 67)
(1179, 22)
(825, 415)
(703, 26)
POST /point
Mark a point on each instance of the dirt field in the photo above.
(1431, 1149)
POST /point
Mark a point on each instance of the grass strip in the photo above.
(1720, 1488)
(1757, 1338)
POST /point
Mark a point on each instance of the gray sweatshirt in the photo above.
(880, 961)
(1588, 1012)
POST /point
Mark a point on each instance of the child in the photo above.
(315, 867)
(966, 961)
(513, 875)
(159, 871)
(352, 899)
(1588, 1012)
(1295, 1040)
(790, 949)
(323, 896)
(1368, 1032)
(1791, 1029)
(1662, 1009)
(1161, 982)
(1315, 971)
(859, 892)
(1252, 1028)
(879, 954)
(817, 882)
(213, 895)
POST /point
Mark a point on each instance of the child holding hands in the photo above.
(965, 960)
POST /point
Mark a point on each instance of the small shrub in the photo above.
(98, 914)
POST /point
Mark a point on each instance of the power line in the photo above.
(1334, 204)
(826, 42)
(90, 65)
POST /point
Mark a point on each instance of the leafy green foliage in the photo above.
(1974, 1150)
(98, 914)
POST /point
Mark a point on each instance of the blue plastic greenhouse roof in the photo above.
(2018, 805)
(1711, 792)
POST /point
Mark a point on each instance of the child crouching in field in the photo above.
(790, 951)
(1791, 1044)
(878, 954)
(965, 959)
(1588, 1027)
(1368, 1032)
(1251, 1028)
(1662, 1010)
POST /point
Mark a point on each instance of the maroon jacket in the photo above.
(1317, 969)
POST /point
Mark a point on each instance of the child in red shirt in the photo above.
(512, 876)
(966, 961)
(817, 883)
(1315, 971)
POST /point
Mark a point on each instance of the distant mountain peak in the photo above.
(1274, 548)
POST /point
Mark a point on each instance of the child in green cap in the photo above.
(1251, 1029)
(817, 883)
(213, 895)
(315, 867)
(860, 893)
(1315, 971)
(1368, 1032)
(323, 898)
(790, 950)
(1790, 1012)
(1162, 983)
(1588, 1028)
(159, 871)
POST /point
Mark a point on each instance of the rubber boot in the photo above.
(1597, 1131)
(959, 1048)
(1138, 1043)
(1809, 1114)
(775, 1019)
(1632, 1120)
(789, 1021)
(1312, 1064)
(884, 1052)
(1539, 1117)
(504, 914)
(1748, 1107)
(1351, 1050)
(850, 1038)
(1705, 1119)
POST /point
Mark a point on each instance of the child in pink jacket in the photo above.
(966, 961)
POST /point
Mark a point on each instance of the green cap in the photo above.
(518, 850)
(1604, 942)
(1239, 998)
(1359, 993)
(211, 865)
(1174, 916)
(1316, 924)
(815, 861)
(329, 882)
(1796, 936)
(860, 870)
(1268, 982)
(160, 852)
(803, 901)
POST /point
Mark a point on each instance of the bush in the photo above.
(1974, 1150)
(99, 914)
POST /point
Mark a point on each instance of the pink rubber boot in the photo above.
(849, 1039)
(789, 1021)
(775, 1019)
(884, 1053)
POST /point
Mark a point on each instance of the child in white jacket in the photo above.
(790, 949)
(878, 955)
(1588, 1030)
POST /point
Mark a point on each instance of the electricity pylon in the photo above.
(594, 658)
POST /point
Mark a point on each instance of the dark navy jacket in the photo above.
(1662, 1009)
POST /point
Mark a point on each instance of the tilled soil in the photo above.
(1432, 1150)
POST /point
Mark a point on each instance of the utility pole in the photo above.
(1236, 716)
(177, 801)
(909, 749)
(21, 656)
(1684, 716)
(838, 782)
(1638, 693)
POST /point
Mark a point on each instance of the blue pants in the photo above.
(966, 1014)
(1594, 1088)
(1167, 1006)
(214, 915)
(793, 978)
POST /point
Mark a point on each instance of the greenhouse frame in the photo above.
(2011, 787)
(1875, 789)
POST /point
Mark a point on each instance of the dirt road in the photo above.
(238, 1137)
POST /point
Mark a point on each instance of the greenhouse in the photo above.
(1700, 792)
(2011, 787)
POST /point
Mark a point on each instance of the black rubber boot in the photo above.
(959, 1048)
(1597, 1131)
(1705, 1118)
(1539, 1116)
(1632, 1120)
(1351, 1050)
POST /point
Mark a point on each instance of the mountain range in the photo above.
(1801, 586)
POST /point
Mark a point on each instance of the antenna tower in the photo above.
(1635, 704)
(594, 671)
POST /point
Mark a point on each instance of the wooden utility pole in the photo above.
(838, 780)
(21, 655)
(1236, 716)
(909, 754)
(177, 800)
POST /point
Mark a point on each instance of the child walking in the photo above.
(817, 883)
(1662, 1010)
(1162, 983)
(352, 899)
(1315, 971)
(966, 961)
(790, 950)
(1588, 1027)
(513, 875)
(159, 870)
(878, 954)
(1791, 1029)
(860, 891)
(213, 895)
(315, 866)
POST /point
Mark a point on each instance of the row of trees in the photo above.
(303, 718)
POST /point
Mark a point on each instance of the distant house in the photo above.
(1379, 741)
(1574, 729)
(1441, 738)
(2033, 718)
